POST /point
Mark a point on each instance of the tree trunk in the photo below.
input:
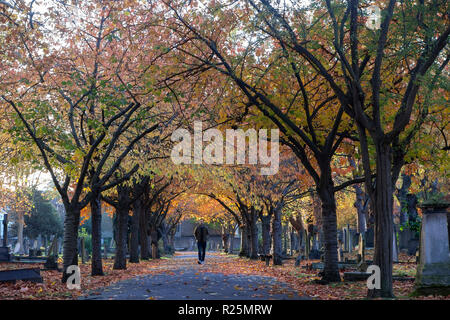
(300, 237)
(329, 224)
(285, 238)
(134, 242)
(165, 229)
(231, 242)
(225, 239)
(172, 241)
(154, 241)
(70, 245)
(120, 259)
(384, 229)
(244, 241)
(20, 236)
(253, 234)
(143, 229)
(265, 222)
(96, 214)
(361, 209)
(277, 237)
(294, 241)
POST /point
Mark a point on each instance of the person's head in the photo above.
(201, 221)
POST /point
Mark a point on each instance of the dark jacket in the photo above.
(201, 233)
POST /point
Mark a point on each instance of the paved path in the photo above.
(187, 281)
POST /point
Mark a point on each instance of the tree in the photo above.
(377, 90)
(76, 108)
(43, 219)
(274, 78)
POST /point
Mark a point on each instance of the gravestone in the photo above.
(340, 236)
(5, 230)
(404, 236)
(345, 238)
(52, 260)
(340, 255)
(4, 250)
(356, 276)
(370, 238)
(31, 274)
(4, 254)
(433, 271)
(349, 240)
(314, 254)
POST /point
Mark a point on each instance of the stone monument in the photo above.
(433, 271)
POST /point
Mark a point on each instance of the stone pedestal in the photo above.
(433, 271)
(4, 254)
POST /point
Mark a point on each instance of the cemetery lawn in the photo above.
(301, 279)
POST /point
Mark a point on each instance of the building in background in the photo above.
(185, 240)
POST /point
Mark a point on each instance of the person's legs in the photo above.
(199, 246)
(203, 251)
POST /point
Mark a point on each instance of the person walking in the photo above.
(201, 235)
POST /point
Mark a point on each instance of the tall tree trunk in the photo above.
(20, 236)
(120, 259)
(231, 242)
(253, 234)
(134, 242)
(329, 225)
(70, 245)
(96, 213)
(171, 237)
(384, 228)
(165, 229)
(361, 209)
(277, 237)
(265, 224)
(285, 238)
(225, 239)
(294, 241)
(143, 229)
(244, 241)
(154, 241)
